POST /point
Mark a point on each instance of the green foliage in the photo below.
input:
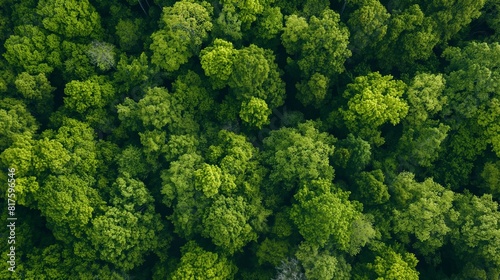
(77, 65)
(219, 198)
(226, 223)
(317, 44)
(185, 27)
(421, 145)
(491, 177)
(255, 112)
(368, 24)
(320, 264)
(34, 87)
(217, 62)
(197, 263)
(371, 187)
(425, 211)
(133, 73)
(476, 239)
(314, 91)
(272, 251)
(89, 94)
(16, 120)
(322, 214)
(208, 179)
(31, 50)
(128, 33)
(393, 265)
(129, 228)
(66, 200)
(298, 155)
(318, 47)
(270, 23)
(473, 92)
(69, 18)
(373, 101)
(246, 12)
(212, 126)
(352, 153)
(425, 97)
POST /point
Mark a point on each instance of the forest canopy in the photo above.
(259, 139)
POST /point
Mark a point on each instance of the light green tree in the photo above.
(373, 101)
(31, 50)
(197, 263)
(185, 26)
(255, 112)
(324, 214)
(85, 95)
(69, 18)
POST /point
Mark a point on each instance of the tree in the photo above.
(226, 222)
(197, 263)
(352, 154)
(217, 196)
(68, 203)
(476, 239)
(314, 90)
(134, 75)
(16, 120)
(34, 87)
(249, 73)
(422, 144)
(178, 187)
(320, 264)
(373, 100)
(217, 62)
(371, 187)
(208, 179)
(368, 25)
(77, 65)
(491, 178)
(69, 18)
(324, 214)
(57, 261)
(31, 50)
(127, 31)
(239, 14)
(153, 111)
(255, 112)
(425, 97)
(129, 228)
(298, 155)
(289, 270)
(473, 92)
(19, 155)
(85, 95)
(318, 47)
(425, 211)
(102, 55)
(463, 11)
(269, 23)
(392, 265)
(131, 160)
(185, 27)
(272, 251)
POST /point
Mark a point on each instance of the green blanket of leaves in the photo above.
(256, 139)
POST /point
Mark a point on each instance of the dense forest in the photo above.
(251, 139)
